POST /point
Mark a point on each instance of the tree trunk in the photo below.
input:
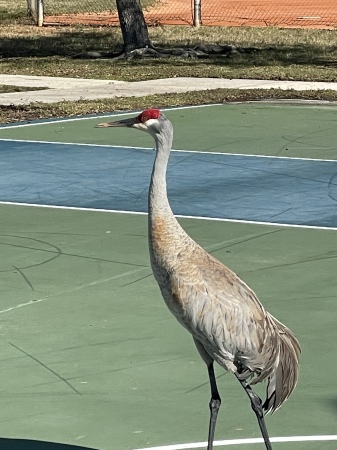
(133, 26)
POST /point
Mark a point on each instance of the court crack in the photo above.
(24, 277)
(40, 363)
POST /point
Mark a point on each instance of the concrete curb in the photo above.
(73, 89)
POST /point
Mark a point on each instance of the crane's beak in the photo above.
(119, 123)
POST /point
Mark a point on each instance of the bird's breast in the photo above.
(169, 247)
(167, 243)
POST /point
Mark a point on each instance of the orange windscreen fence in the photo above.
(279, 13)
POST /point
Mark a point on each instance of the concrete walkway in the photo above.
(73, 89)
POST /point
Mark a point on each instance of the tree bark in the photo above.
(133, 26)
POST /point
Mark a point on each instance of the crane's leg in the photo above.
(215, 402)
(256, 404)
(214, 405)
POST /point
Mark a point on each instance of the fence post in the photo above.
(39, 13)
(196, 13)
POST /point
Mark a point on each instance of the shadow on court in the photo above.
(27, 444)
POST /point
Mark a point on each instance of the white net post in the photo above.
(39, 12)
(196, 13)
(35, 9)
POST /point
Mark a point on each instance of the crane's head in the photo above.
(149, 120)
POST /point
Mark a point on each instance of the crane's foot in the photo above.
(214, 406)
(256, 405)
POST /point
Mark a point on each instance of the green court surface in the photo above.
(91, 357)
(254, 128)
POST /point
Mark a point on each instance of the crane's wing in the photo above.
(224, 314)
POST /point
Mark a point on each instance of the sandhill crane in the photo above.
(228, 323)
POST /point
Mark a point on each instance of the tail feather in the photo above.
(284, 378)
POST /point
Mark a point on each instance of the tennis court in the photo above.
(90, 356)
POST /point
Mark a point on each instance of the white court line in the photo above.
(173, 150)
(31, 141)
(121, 113)
(72, 290)
(229, 442)
(181, 216)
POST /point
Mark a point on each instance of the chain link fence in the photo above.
(279, 13)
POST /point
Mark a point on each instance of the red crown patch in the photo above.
(152, 113)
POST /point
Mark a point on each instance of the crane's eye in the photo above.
(142, 118)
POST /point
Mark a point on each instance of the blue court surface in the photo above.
(216, 185)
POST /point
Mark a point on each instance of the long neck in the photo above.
(165, 234)
(158, 201)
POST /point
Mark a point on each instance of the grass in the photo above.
(4, 88)
(269, 53)
(280, 53)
